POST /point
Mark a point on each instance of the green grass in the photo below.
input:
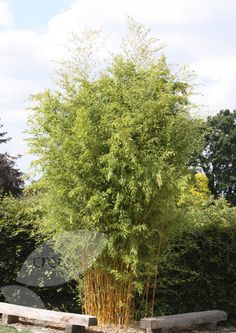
(7, 329)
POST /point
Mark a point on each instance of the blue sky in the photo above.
(34, 14)
(33, 33)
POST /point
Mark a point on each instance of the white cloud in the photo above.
(6, 18)
(218, 75)
(107, 12)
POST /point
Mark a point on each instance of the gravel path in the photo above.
(41, 328)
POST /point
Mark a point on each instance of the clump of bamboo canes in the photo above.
(113, 148)
(111, 300)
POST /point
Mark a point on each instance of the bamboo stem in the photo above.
(147, 291)
(156, 271)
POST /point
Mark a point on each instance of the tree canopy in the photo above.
(10, 177)
(218, 159)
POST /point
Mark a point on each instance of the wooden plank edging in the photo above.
(64, 318)
(183, 319)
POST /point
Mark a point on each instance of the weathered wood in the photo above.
(184, 319)
(8, 319)
(212, 327)
(161, 330)
(74, 329)
(62, 318)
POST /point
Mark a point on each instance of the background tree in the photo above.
(218, 159)
(10, 177)
(113, 149)
(3, 139)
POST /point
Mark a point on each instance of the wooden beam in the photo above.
(184, 319)
(75, 329)
(63, 318)
(8, 319)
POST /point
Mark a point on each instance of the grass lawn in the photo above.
(7, 329)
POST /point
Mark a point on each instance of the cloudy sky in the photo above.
(198, 33)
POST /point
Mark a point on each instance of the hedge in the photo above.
(198, 272)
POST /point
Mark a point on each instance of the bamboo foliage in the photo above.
(113, 151)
